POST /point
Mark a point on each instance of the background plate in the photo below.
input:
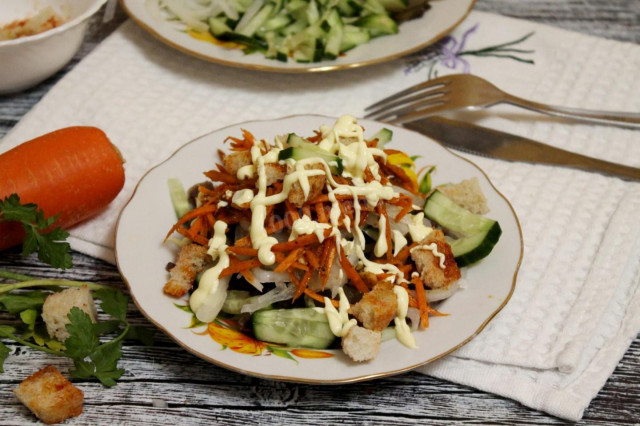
(413, 35)
(141, 258)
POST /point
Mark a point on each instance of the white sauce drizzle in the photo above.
(418, 230)
(403, 331)
(399, 241)
(339, 321)
(305, 226)
(434, 249)
(208, 298)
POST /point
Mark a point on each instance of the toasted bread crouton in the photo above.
(361, 344)
(57, 306)
(191, 260)
(377, 308)
(428, 262)
(316, 185)
(50, 396)
(467, 194)
(233, 162)
(275, 172)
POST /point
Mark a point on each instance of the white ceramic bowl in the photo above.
(26, 61)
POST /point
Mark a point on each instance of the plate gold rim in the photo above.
(355, 379)
(285, 70)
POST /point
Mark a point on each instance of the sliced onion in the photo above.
(442, 293)
(278, 294)
(266, 276)
(413, 317)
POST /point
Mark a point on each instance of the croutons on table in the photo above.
(50, 396)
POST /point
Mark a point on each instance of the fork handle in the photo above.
(624, 119)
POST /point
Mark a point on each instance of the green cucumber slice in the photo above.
(477, 234)
(301, 327)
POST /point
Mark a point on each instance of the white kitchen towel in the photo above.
(576, 306)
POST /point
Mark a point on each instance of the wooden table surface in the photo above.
(198, 392)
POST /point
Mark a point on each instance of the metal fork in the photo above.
(468, 92)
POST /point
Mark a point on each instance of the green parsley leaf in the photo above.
(82, 338)
(6, 330)
(106, 327)
(113, 303)
(29, 317)
(4, 354)
(50, 245)
(16, 303)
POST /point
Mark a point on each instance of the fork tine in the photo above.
(412, 114)
(424, 86)
(406, 112)
(431, 95)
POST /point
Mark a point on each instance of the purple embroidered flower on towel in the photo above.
(449, 52)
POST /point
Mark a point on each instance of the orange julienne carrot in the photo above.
(192, 214)
(288, 261)
(73, 172)
(421, 297)
(353, 275)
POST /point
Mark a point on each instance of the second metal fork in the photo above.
(468, 92)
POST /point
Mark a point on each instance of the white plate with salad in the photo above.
(298, 35)
(265, 247)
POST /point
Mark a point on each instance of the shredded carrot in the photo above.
(302, 284)
(301, 241)
(218, 176)
(318, 298)
(243, 251)
(191, 215)
(353, 275)
(320, 213)
(311, 259)
(240, 266)
(288, 261)
(421, 297)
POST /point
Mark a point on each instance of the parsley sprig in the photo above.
(92, 355)
(48, 243)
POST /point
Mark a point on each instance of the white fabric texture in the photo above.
(576, 306)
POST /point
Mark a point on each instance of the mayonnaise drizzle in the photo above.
(403, 332)
(208, 298)
(418, 230)
(339, 321)
(434, 249)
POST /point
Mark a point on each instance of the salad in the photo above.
(300, 30)
(329, 240)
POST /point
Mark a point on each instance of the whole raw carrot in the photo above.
(72, 172)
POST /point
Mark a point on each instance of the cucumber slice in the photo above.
(300, 149)
(179, 197)
(301, 327)
(384, 136)
(378, 25)
(478, 234)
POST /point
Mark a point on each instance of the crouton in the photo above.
(316, 185)
(377, 308)
(191, 260)
(467, 194)
(428, 263)
(57, 306)
(233, 162)
(361, 344)
(275, 172)
(50, 396)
